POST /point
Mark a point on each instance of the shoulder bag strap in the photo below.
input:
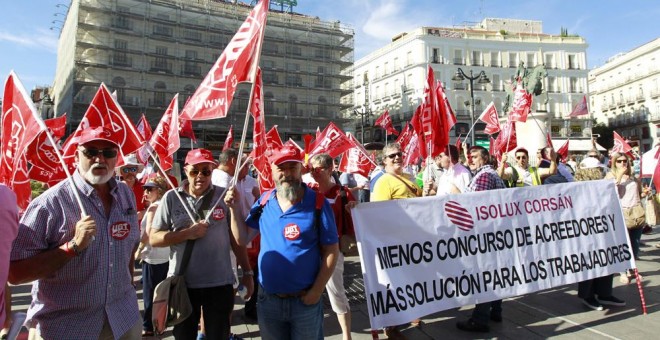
(187, 252)
(413, 189)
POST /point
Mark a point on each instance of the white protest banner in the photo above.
(424, 255)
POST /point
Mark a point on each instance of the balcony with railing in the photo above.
(191, 70)
(460, 86)
(459, 61)
(495, 63)
(640, 97)
(161, 66)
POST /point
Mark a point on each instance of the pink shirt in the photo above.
(8, 230)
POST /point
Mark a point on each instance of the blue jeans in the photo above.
(152, 275)
(288, 318)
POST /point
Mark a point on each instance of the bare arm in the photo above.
(553, 166)
(45, 264)
(500, 169)
(239, 229)
(329, 255)
(166, 238)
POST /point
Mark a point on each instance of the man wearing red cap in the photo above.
(298, 250)
(209, 275)
(83, 287)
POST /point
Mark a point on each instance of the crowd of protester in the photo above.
(279, 247)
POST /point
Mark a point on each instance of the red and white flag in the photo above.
(21, 124)
(431, 123)
(259, 141)
(236, 64)
(144, 129)
(507, 137)
(490, 117)
(620, 145)
(165, 141)
(356, 160)
(229, 142)
(580, 109)
(409, 142)
(42, 155)
(548, 139)
(522, 103)
(273, 139)
(385, 122)
(332, 141)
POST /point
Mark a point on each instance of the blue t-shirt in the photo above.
(289, 258)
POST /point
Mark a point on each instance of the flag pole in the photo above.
(232, 182)
(471, 128)
(253, 72)
(169, 181)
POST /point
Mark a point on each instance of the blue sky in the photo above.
(29, 46)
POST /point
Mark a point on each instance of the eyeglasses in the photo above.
(595, 156)
(127, 170)
(317, 170)
(195, 172)
(622, 161)
(107, 153)
(394, 155)
(521, 157)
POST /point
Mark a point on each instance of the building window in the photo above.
(269, 102)
(495, 59)
(572, 62)
(162, 30)
(118, 84)
(323, 106)
(458, 57)
(436, 56)
(476, 58)
(550, 61)
(293, 105)
(242, 100)
(159, 94)
(513, 59)
(121, 44)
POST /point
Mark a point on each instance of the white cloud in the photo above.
(40, 40)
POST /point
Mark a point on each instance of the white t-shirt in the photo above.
(456, 175)
(220, 178)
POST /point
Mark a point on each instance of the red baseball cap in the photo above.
(286, 153)
(197, 156)
(98, 133)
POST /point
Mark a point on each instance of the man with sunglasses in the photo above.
(128, 173)
(81, 265)
(522, 174)
(209, 275)
(394, 184)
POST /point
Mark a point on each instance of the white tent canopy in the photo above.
(576, 145)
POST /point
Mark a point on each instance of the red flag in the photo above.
(104, 111)
(490, 117)
(356, 159)
(186, 129)
(620, 144)
(522, 103)
(20, 126)
(144, 128)
(332, 141)
(165, 140)
(548, 139)
(493, 148)
(318, 132)
(432, 121)
(385, 122)
(41, 153)
(580, 109)
(459, 145)
(507, 137)
(656, 176)
(273, 139)
(442, 99)
(214, 95)
(563, 150)
(230, 139)
(259, 141)
(409, 142)
(262, 166)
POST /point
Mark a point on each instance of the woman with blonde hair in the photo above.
(155, 260)
(630, 192)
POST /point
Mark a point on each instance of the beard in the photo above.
(97, 179)
(289, 189)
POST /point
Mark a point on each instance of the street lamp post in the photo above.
(483, 79)
(364, 120)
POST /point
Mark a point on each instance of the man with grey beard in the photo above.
(299, 249)
(81, 263)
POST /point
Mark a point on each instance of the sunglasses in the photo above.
(149, 189)
(127, 170)
(622, 161)
(107, 153)
(317, 170)
(595, 156)
(394, 155)
(195, 172)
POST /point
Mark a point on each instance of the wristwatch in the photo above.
(248, 273)
(71, 249)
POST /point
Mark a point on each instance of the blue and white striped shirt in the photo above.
(74, 302)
